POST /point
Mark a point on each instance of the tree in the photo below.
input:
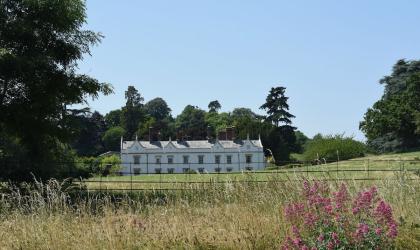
(133, 112)
(41, 43)
(277, 107)
(214, 106)
(217, 122)
(113, 118)
(246, 123)
(112, 138)
(301, 140)
(158, 109)
(393, 121)
(243, 112)
(282, 138)
(192, 123)
(88, 141)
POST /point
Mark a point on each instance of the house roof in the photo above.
(190, 144)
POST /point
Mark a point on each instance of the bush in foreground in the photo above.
(324, 220)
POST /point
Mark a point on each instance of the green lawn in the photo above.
(385, 166)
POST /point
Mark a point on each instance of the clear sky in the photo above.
(328, 54)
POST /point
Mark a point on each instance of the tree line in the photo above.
(100, 133)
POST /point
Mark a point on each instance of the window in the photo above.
(158, 170)
(171, 170)
(229, 159)
(248, 158)
(186, 170)
(136, 159)
(186, 158)
(217, 159)
(158, 160)
(201, 170)
(200, 159)
(229, 169)
(137, 171)
(217, 170)
(170, 159)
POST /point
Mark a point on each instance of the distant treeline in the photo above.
(98, 134)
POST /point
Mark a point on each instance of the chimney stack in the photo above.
(230, 133)
(209, 133)
(154, 134)
(150, 134)
(222, 135)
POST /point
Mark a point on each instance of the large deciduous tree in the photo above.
(41, 42)
(89, 140)
(157, 108)
(393, 123)
(112, 138)
(192, 123)
(113, 118)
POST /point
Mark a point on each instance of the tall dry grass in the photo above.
(231, 216)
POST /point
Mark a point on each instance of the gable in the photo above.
(217, 146)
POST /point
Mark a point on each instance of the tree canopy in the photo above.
(41, 43)
(157, 108)
(393, 123)
(277, 107)
(133, 112)
(214, 106)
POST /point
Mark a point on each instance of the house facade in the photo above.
(204, 156)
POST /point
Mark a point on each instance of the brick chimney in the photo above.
(222, 135)
(150, 134)
(154, 134)
(230, 133)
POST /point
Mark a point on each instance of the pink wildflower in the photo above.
(330, 245)
(364, 200)
(362, 230)
(341, 197)
(310, 219)
(383, 212)
(378, 231)
(334, 236)
(392, 233)
(293, 210)
(320, 238)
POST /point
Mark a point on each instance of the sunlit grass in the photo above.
(229, 216)
(370, 167)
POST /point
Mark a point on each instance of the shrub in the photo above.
(324, 220)
(110, 165)
(326, 147)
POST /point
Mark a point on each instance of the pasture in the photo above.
(371, 168)
(246, 214)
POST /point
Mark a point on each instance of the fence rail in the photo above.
(352, 170)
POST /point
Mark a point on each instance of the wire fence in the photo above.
(194, 179)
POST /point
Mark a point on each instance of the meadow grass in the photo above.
(243, 215)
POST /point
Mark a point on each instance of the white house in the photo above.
(139, 157)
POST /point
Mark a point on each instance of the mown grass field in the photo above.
(371, 167)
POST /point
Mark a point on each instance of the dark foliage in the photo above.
(40, 44)
(393, 123)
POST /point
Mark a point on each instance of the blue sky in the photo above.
(328, 54)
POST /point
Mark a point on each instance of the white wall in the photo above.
(148, 159)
